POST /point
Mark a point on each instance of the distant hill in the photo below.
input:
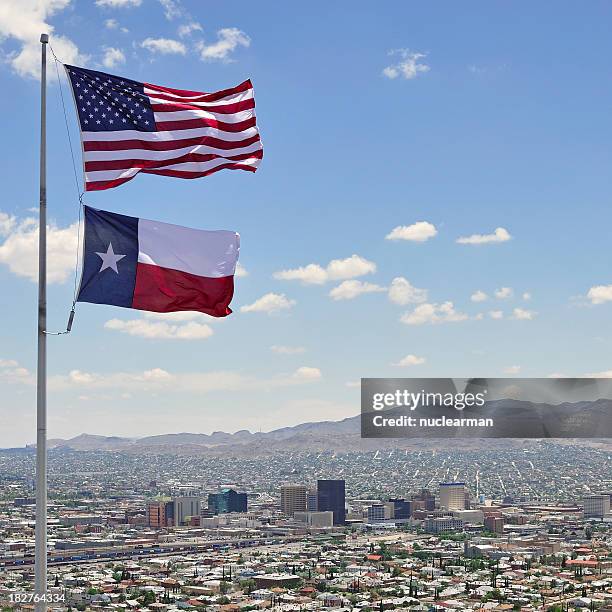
(286, 436)
(342, 436)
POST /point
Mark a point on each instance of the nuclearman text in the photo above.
(409, 421)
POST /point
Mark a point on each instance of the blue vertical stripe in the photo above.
(103, 229)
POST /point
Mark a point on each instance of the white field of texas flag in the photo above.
(155, 266)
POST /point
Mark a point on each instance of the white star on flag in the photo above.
(109, 259)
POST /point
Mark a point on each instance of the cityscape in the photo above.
(185, 350)
(509, 526)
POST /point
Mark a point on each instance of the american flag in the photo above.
(129, 127)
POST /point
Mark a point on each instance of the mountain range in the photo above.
(334, 436)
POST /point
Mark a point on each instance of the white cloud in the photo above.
(311, 274)
(19, 251)
(410, 360)
(499, 235)
(158, 380)
(189, 28)
(287, 350)
(496, 314)
(241, 271)
(337, 269)
(526, 296)
(513, 369)
(118, 3)
(350, 289)
(161, 330)
(23, 21)
(352, 383)
(479, 296)
(12, 372)
(417, 232)
(228, 40)
(402, 292)
(433, 313)
(600, 294)
(113, 57)
(504, 293)
(523, 315)
(604, 374)
(172, 8)
(270, 303)
(409, 67)
(307, 373)
(113, 24)
(7, 223)
(165, 46)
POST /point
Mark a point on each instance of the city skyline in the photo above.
(433, 202)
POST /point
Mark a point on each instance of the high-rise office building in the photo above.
(453, 496)
(185, 507)
(227, 500)
(401, 508)
(596, 506)
(423, 500)
(331, 496)
(294, 498)
(311, 501)
(157, 514)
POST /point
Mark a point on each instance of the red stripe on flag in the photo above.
(198, 96)
(191, 175)
(166, 145)
(102, 185)
(163, 290)
(189, 124)
(222, 109)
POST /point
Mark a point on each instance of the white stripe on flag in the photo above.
(173, 153)
(203, 114)
(172, 135)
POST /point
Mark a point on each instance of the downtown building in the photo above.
(293, 498)
(442, 524)
(402, 509)
(453, 496)
(184, 508)
(226, 501)
(596, 506)
(160, 514)
(331, 497)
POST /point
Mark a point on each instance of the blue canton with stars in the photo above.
(107, 103)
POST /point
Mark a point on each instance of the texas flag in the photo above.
(149, 265)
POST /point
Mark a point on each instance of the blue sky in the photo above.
(460, 118)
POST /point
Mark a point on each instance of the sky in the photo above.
(434, 200)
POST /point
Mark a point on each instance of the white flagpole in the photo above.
(40, 583)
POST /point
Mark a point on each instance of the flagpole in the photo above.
(40, 582)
